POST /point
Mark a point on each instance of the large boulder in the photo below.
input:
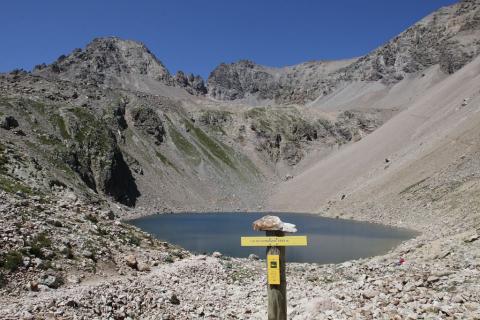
(51, 280)
(8, 122)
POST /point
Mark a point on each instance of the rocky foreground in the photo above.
(93, 266)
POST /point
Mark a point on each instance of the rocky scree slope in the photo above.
(449, 37)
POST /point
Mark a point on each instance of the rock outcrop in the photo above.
(147, 120)
(8, 122)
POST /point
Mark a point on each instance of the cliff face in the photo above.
(449, 37)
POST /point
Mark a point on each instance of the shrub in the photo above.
(13, 260)
(36, 251)
(40, 241)
(134, 240)
(3, 280)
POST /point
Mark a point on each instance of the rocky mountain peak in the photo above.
(115, 62)
(105, 59)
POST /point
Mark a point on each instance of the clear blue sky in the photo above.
(195, 35)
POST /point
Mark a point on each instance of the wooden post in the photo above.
(275, 241)
(277, 293)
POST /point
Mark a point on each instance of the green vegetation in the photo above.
(12, 261)
(4, 101)
(183, 145)
(38, 243)
(3, 280)
(169, 259)
(166, 161)
(49, 140)
(134, 240)
(255, 112)
(40, 107)
(82, 114)
(59, 124)
(3, 159)
(90, 129)
(215, 147)
(90, 132)
(10, 185)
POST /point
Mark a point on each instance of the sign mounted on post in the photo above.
(273, 269)
(273, 241)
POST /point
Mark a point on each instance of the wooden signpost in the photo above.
(275, 241)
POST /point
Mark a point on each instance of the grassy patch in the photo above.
(165, 161)
(6, 102)
(38, 243)
(59, 124)
(10, 185)
(82, 114)
(255, 112)
(88, 131)
(40, 107)
(48, 140)
(12, 261)
(87, 125)
(210, 144)
(3, 159)
(183, 145)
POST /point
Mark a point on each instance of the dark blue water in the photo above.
(329, 240)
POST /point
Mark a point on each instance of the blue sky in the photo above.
(195, 36)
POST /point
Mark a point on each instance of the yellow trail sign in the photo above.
(273, 269)
(273, 241)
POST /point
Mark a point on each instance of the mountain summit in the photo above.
(117, 63)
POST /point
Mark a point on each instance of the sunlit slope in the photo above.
(431, 120)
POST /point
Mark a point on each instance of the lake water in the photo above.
(329, 240)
